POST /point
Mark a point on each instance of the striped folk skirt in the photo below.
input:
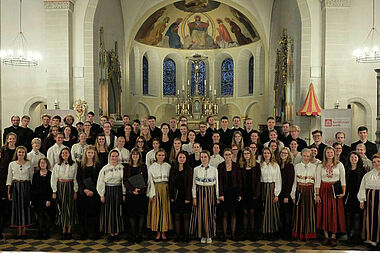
(330, 212)
(111, 214)
(271, 219)
(21, 211)
(159, 215)
(304, 226)
(67, 209)
(371, 224)
(203, 215)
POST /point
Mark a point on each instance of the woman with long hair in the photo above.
(19, 178)
(141, 145)
(65, 187)
(355, 172)
(159, 216)
(270, 190)
(293, 145)
(50, 139)
(102, 149)
(145, 132)
(251, 175)
(273, 146)
(195, 158)
(205, 192)
(136, 197)
(238, 140)
(90, 139)
(368, 196)
(166, 141)
(304, 224)
(180, 184)
(88, 199)
(255, 138)
(112, 193)
(42, 201)
(229, 178)
(176, 148)
(338, 152)
(273, 136)
(188, 147)
(216, 158)
(68, 139)
(286, 204)
(130, 141)
(330, 208)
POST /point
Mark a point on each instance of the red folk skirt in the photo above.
(330, 212)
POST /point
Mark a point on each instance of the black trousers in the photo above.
(286, 214)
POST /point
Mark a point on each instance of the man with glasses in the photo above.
(340, 137)
(201, 137)
(317, 137)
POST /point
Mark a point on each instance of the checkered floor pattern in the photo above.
(56, 245)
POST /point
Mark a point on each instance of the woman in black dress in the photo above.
(180, 185)
(88, 197)
(176, 148)
(136, 198)
(50, 139)
(141, 146)
(68, 139)
(130, 141)
(229, 175)
(102, 150)
(166, 142)
(355, 172)
(251, 175)
(42, 198)
(195, 158)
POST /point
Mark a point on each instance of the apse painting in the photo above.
(197, 24)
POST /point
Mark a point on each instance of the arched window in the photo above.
(227, 84)
(201, 79)
(251, 71)
(145, 76)
(169, 78)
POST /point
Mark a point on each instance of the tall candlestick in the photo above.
(183, 87)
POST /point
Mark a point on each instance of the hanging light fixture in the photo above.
(18, 55)
(370, 53)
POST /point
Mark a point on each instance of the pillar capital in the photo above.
(59, 4)
(335, 3)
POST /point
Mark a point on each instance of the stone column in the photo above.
(378, 108)
(59, 60)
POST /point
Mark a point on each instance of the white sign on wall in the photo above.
(333, 121)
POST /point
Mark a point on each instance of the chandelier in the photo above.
(18, 55)
(371, 53)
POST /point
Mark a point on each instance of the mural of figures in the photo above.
(155, 35)
(172, 33)
(198, 24)
(241, 39)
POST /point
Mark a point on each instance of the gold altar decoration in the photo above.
(284, 80)
(199, 105)
(80, 106)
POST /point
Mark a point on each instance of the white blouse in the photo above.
(124, 155)
(205, 176)
(338, 174)
(215, 160)
(188, 147)
(112, 175)
(157, 174)
(64, 171)
(371, 180)
(77, 151)
(150, 157)
(271, 173)
(19, 172)
(303, 173)
(34, 157)
(53, 153)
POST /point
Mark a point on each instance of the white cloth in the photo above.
(19, 172)
(371, 180)
(150, 158)
(156, 174)
(64, 171)
(34, 157)
(188, 147)
(297, 159)
(108, 141)
(124, 155)
(77, 151)
(205, 177)
(215, 160)
(338, 174)
(53, 153)
(271, 173)
(303, 173)
(316, 162)
(110, 174)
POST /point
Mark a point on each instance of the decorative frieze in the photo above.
(59, 4)
(335, 3)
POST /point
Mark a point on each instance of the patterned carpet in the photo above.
(151, 246)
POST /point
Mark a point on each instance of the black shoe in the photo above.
(23, 237)
(271, 237)
(39, 237)
(116, 237)
(68, 236)
(234, 238)
(223, 238)
(63, 236)
(83, 237)
(186, 239)
(47, 236)
(139, 239)
(132, 239)
(177, 239)
(110, 238)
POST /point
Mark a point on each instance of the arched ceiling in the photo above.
(197, 24)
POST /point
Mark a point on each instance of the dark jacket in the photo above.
(188, 182)
(41, 191)
(225, 137)
(287, 177)
(42, 132)
(127, 174)
(6, 158)
(256, 177)
(84, 173)
(371, 148)
(236, 178)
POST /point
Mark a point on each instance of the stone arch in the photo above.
(164, 112)
(361, 115)
(230, 109)
(34, 107)
(242, 72)
(141, 110)
(254, 111)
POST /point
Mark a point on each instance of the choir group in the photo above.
(238, 181)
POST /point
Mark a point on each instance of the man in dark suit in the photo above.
(236, 122)
(120, 130)
(371, 147)
(294, 132)
(264, 136)
(317, 137)
(42, 131)
(248, 128)
(201, 137)
(340, 137)
(155, 132)
(94, 127)
(26, 134)
(174, 131)
(14, 128)
(225, 133)
(285, 136)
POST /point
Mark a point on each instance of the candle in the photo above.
(177, 92)
(183, 87)
(188, 82)
(215, 92)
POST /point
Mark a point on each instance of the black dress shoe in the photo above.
(47, 236)
(39, 237)
(223, 238)
(139, 239)
(68, 236)
(186, 239)
(63, 236)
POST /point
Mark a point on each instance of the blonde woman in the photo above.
(145, 132)
(237, 139)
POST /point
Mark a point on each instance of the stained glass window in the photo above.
(145, 76)
(169, 77)
(201, 79)
(227, 80)
(251, 71)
